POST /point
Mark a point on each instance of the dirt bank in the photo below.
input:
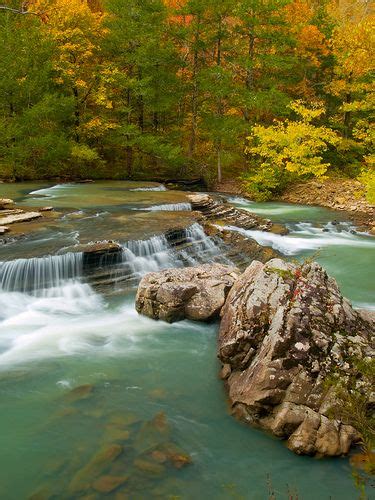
(339, 194)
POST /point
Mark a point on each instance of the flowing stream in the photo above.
(80, 370)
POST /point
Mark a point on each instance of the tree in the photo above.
(34, 119)
(146, 88)
(287, 150)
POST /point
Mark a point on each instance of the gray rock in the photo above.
(213, 209)
(285, 329)
(195, 293)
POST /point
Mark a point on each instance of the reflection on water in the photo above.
(97, 401)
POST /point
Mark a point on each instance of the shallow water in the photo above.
(69, 336)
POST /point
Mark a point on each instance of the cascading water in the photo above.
(71, 341)
(156, 188)
(172, 207)
(190, 246)
(31, 275)
(304, 237)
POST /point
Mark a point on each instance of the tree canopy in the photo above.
(153, 88)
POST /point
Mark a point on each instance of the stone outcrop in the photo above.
(20, 217)
(226, 213)
(195, 293)
(285, 330)
(241, 249)
(339, 194)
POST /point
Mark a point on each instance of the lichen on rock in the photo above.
(285, 329)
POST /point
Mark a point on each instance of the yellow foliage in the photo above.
(289, 147)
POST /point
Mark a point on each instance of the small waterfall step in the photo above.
(212, 209)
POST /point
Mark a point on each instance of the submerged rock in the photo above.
(80, 392)
(98, 464)
(108, 484)
(195, 293)
(285, 329)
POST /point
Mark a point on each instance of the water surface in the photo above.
(134, 370)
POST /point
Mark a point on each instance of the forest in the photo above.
(264, 91)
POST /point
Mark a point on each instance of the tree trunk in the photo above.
(77, 115)
(219, 166)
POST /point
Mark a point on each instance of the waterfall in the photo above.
(144, 256)
(190, 246)
(156, 188)
(172, 207)
(176, 248)
(29, 275)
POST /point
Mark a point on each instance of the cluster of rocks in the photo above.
(9, 214)
(339, 194)
(285, 329)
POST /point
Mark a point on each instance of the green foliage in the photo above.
(353, 390)
(172, 88)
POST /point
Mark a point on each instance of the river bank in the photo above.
(344, 195)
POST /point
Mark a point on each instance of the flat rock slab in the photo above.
(24, 217)
(15, 211)
(195, 293)
(226, 213)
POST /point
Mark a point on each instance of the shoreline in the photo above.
(341, 195)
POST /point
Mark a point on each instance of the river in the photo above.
(142, 383)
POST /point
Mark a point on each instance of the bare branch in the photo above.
(23, 10)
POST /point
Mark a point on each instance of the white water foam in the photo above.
(305, 236)
(172, 207)
(156, 188)
(51, 192)
(238, 200)
(73, 321)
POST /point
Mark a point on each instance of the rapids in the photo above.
(59, 330)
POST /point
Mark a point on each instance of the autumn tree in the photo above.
(287, 150)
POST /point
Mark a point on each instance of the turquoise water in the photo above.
(147, 386)
(329, 238)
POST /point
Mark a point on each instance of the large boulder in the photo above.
(195, 293)
(285, 331)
